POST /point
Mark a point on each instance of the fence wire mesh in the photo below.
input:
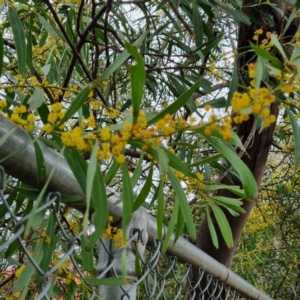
(49, 262)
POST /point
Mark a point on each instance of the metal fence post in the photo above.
(110, 259)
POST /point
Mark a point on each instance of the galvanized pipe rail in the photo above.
(17, 156)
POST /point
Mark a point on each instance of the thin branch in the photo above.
(180, 18)
(7, 280)
(176, 68)
(108, 9)
(80, 9)
(213, 89)
(36, 74)
(114, 32)
(134, 2)
(76, 49)
(95, 65)
(136, 154)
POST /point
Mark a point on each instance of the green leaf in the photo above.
(118, 62)
(216, 103)
(235, 140)
(278, 46)
(171, 226)
(35, 220)
(291, 17)
(43, 111)
(109, 176)
(163, 160)
(100, 205)
(72, 287)
(232, 188)
(29, 49)
(1, 53)
(160, 209)
(6, 136)
(239, 16)
(26, 276)
(91, 170)
(179, 226)
(230, 203)
(223, 225)
(114, 281)
(211, 228)
(183, 203)
(124, 264)
(275, 62)
(138, 79)
(47, 26)
(197, 24)
(245, 174)
(87, 254)
(176, 163)
(175, 106)
(144, 193)
(258, 74)
(233, 85)
(48, 248)
(19, 38)
(206, 160)
(138, 171)
(41, 169)
(214, 42)
(296, 133)
(79, 169)
(76, 104)
(127, 197)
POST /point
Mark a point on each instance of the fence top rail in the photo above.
(18, 144)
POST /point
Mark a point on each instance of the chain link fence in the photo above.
(61, 266)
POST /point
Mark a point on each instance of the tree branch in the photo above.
(180, 18)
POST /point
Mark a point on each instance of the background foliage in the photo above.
(148, 90)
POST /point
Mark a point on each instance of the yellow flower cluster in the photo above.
(74, 138)
(115, 143)
(89, 122)
(69, 278)
(112, 113)
(74, 225)
(95, 104)
(166, 125)
(19, 271)
(265, 43)
(259, 102)
(260, 218)
(223, 126)
(62, 266)
(54, 118)
(20, 79)
(45, 237)
(3, 104)
(14, 296)
(20, 116)
(113, 233)
(194, 185)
